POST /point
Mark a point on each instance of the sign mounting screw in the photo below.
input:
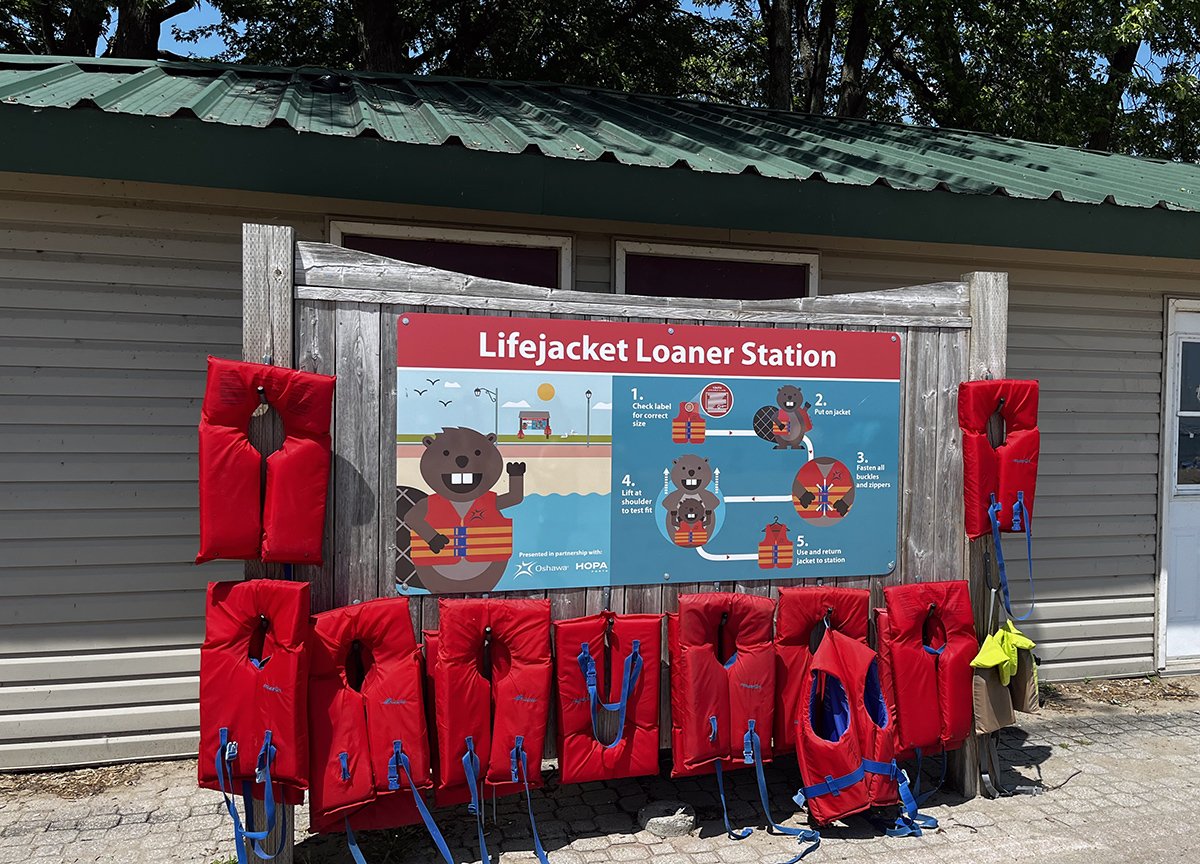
(404, 320)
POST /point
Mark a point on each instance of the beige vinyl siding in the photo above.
(109, 313)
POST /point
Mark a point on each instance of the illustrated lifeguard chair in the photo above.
(533, 422)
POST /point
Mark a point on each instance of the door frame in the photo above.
(1166, 474)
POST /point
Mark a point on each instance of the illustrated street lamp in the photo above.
(588, 426)
(494, 395)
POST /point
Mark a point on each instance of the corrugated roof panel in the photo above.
(567, 122)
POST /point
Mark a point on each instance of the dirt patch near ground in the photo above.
(71, 785)
(1145, 693)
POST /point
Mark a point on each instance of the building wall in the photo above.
(114, 294)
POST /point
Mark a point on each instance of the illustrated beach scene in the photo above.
(503, 479)
(560, 425)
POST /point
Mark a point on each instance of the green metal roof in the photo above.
(590, 125)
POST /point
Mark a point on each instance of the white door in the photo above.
(1181, 542)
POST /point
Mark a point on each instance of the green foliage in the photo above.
(1109, 74)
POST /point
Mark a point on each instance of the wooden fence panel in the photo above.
(350, 309)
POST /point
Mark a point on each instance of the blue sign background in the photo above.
(866, 435)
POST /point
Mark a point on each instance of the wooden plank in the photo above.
(266, 331)
(316, 352)
(267, 337)
(356, 454)
(986, 358)
(594, 304)
(386, 585)
(949, 539)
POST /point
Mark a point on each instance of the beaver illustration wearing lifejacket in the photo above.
(691, 504)
(460, 539)
(787, 421)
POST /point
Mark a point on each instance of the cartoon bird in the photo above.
(445, 402)
(433, 381)
(420, 392)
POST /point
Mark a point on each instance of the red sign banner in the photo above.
(610, 347)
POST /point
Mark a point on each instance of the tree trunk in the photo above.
(139, 27)
(385, 35)
(852, 97)
(819, 77)
(1120, 70)
(85, 25)
(778, 21)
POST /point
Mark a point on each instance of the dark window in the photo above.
(668, 276)
(527, 265)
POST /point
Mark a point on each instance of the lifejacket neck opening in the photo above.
(997, 429)
(485, 656)
(358, 663)
(933, 631)
(258, 639)
(724, 645)
(819, 629)
(607, 681)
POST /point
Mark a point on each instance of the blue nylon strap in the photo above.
(344, 761)
(910, 822)
(399, 764)
(521, 760)
(633, 670)
(226, 755)
(1020, 514)
(753, 745)
(257, 844)
(471, 767)
(831, 785)
(736, 835)
(352, 843)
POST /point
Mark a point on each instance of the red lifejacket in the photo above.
(481, 534)
(491, 654)
(723, 691)
(609, 662)
(1007, 473)
(236, 520)
(845, 740)
(688, 426)
(253, 693)
(928, 640)
(722, 671)
(799, 625)
(775, 549)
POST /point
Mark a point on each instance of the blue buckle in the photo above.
(393, 767)
(518, 743)
(833, 790)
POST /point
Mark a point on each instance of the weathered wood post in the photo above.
(986, 358)
(267, 285)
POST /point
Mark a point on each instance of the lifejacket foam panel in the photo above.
(801, 611)
(1005, 470)
(581, 757)
(722, 667)
(519, 688)
(365, 694)
(287, 523)
(247, 694)
(930, 642)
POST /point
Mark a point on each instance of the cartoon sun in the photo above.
(545, 391)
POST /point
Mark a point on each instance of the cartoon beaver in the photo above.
(460, 540)
(787, 422)
(690, 505)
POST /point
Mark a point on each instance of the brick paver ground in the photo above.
(1127, 792)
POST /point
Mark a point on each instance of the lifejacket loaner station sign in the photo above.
(547, 453)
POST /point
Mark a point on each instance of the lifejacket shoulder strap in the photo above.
(399, 764)
(1020, 515)
(752, 754)
(633, 670)
(520, 761)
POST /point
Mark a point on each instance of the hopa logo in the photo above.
(591, 565)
